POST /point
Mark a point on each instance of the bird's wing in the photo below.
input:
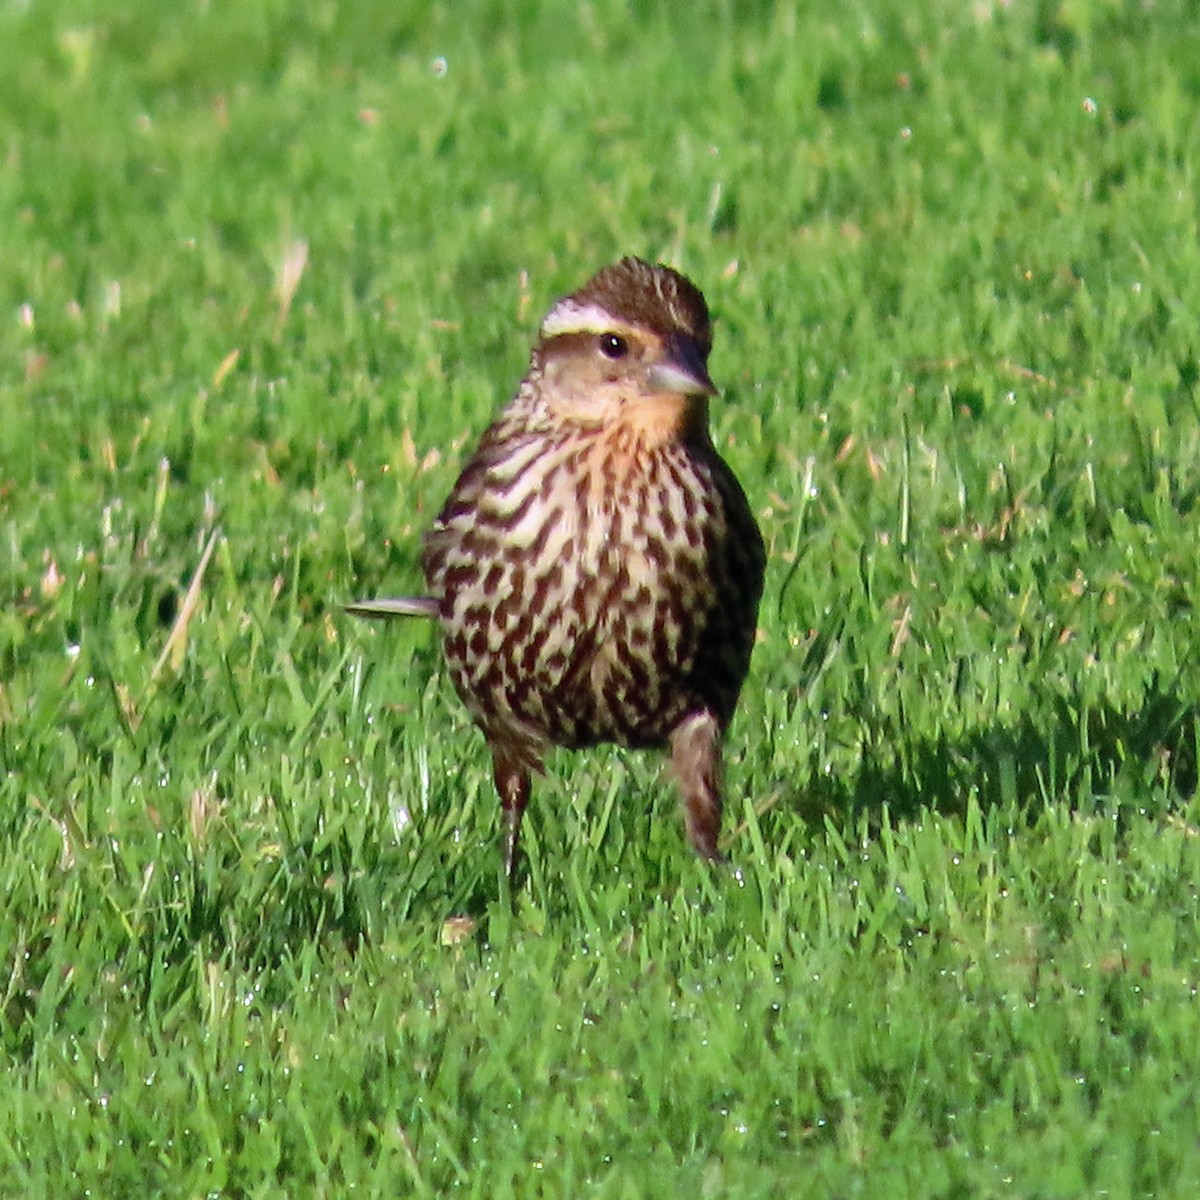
(397, 606)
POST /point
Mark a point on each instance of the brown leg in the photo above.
(512, 782)
(696, 763)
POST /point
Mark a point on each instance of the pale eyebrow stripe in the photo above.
(568, 317)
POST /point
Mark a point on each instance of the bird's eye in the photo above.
(613, 345)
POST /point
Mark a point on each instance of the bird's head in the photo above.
(629, 348)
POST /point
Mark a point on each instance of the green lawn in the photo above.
(266, 269)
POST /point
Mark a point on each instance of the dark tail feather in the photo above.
(398, 606)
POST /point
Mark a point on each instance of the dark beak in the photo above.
(682, 370)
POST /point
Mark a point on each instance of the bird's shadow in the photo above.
(1073, 755)
(1123, 761)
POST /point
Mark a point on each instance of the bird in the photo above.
(596, 570)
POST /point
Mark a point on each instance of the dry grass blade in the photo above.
(761, 808)
(287, 279)
(176, 643)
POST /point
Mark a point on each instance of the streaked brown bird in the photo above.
(596, 570)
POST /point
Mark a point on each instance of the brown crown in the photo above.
(654, 297)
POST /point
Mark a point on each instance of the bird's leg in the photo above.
(512, 782)
(696, 764)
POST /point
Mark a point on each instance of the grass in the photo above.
(267, 270)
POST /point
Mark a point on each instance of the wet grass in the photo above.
(267, 271)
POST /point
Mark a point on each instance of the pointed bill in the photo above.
(683, 371)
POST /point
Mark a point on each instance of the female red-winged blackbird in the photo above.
(596, 570)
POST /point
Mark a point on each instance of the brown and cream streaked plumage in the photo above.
(596, 570)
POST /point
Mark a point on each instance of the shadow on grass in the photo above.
(1070, 754)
